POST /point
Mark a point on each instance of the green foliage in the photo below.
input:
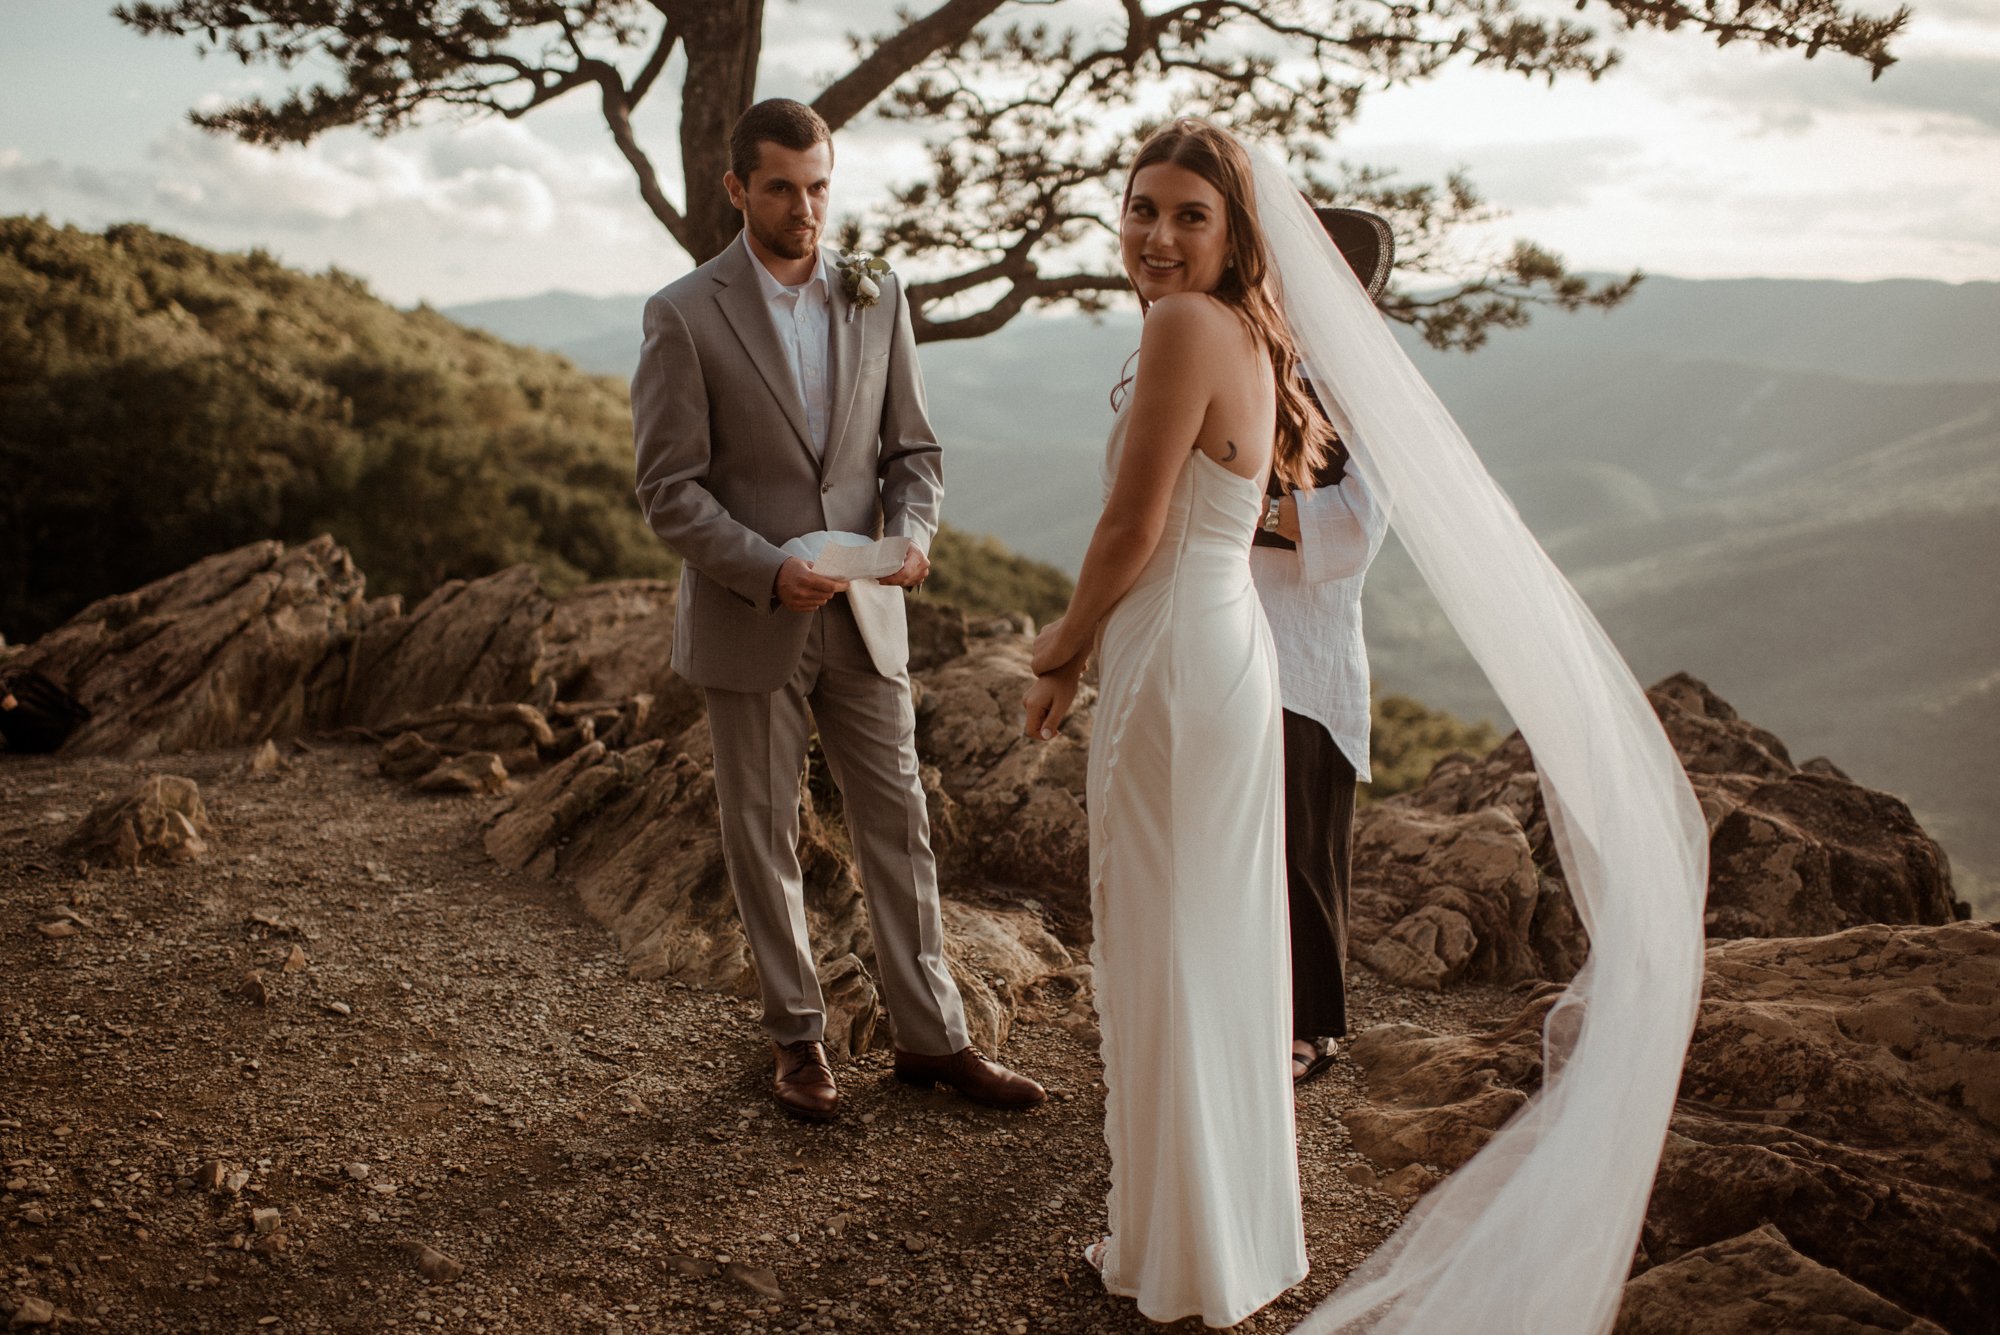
(159, 402)
(983, 578)
(1406, 738)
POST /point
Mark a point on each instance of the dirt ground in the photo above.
(457, 1060)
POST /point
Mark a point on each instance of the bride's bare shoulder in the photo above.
(1193, 329)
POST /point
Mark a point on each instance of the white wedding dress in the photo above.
(1190, 951)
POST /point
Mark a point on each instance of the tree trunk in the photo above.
(723, 40)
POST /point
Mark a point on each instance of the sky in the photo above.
(1686, 160)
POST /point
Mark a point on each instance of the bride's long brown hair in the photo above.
(1247, 283)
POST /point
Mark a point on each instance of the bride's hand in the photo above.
(1051, 652)
(1047, 703)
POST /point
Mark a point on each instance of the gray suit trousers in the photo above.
(868, 732)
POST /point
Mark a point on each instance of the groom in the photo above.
(774, 398)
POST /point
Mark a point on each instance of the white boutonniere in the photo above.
(859, 275)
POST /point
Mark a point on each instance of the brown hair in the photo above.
(777, 120)
(1248, 284)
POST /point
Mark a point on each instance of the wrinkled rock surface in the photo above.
(1016, 814)
(612, 641)
(470, 642)
(1460, 878)
(234, 649)
(1756, 1284)
(1843, 1088)
(159, 820)
(636, 834)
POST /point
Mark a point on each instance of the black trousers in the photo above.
(1319, 824)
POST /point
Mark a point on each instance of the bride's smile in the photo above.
(1174, 234)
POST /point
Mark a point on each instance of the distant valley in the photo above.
(1788, 488)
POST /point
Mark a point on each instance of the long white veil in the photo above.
(1535, 1235)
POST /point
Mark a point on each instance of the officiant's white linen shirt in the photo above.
(801, 315)
(1312, 598)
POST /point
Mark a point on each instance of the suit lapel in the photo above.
(741, 298)
(843, 355)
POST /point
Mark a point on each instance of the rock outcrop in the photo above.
(635, 833)
(1460, 879)
(231, 651)
(1015, 815)
(470, 642)
(1756, 1284)
(612, 642)
(1844, 1089)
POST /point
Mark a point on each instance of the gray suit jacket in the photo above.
(726, 471)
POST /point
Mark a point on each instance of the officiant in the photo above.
(1309, 558)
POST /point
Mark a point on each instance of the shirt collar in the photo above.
(772, 288)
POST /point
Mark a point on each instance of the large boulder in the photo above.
(235, 649)
(1843, 1088)
(1756, 1284)
(1017, 804)
(470, 642)
(612, 641)
(1813, 853)
(1448, 897)
(1459, 879)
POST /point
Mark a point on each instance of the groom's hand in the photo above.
(916, 569)
(801, 589)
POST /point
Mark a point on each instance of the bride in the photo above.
(1535, 1234)
(1192, 968)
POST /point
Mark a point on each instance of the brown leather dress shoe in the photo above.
(804, 1083)
(972, 1075)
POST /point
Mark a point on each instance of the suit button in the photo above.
(825, 487)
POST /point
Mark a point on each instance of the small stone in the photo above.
(433, 1264)
(266, 1220)
(56, 931)
(838, 1224)
(33, 1312)
(209, 1176)
(252, 989)
(476, 772)
(266, 759)
(357, 1171)
(236, 1181)
(295, 961)
(270, 1244)
(878, 1281)
(339, 1007)
(915, 1244)
(33, 1215)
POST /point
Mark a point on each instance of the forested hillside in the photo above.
(159, 402)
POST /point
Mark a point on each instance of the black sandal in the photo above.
(1324, 1050)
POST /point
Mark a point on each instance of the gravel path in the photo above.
(446, 1055)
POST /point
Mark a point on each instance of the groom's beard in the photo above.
(790, 245)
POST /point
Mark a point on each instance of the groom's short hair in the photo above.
(778, 120)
